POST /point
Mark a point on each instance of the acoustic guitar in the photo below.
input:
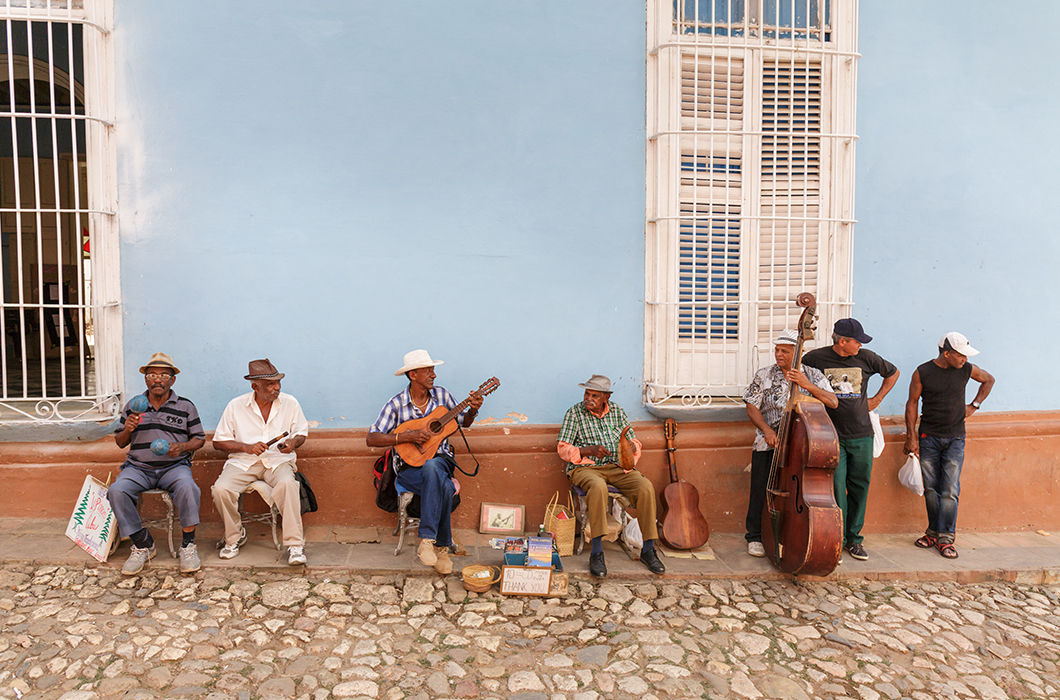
(683, 526)
(441, 423)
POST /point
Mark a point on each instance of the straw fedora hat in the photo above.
(160, 359)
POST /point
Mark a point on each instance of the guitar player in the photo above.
(433, 481)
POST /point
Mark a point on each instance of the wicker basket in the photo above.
(478, 578)
(561, 528)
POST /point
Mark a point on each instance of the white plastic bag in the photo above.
(910, 475)
(877, 434)
(631, 533)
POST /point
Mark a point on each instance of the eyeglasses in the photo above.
(158, 375)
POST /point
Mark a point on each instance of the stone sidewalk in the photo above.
(1023, 557)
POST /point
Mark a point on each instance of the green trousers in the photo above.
(852, 485)
(633, 485)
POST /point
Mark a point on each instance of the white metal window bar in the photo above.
(750, 191)
(60, 324)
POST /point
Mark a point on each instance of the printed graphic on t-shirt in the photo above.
(845, 381)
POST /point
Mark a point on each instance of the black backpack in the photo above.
(305, 494)
(386, 497)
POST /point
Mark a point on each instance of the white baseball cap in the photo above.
(957, 341)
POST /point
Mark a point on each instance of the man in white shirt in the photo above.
(249, 433)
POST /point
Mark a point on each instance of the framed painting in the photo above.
(502, 519)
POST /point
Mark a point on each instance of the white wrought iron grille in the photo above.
(60, 323)
(750, 191)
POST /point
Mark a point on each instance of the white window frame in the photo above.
(689, 372)
(100, 402)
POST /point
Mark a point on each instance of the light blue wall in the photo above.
(957, 185)
(331, 184)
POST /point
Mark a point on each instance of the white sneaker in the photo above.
(756, 549)
(137, 559)
(229, 551)
(189, 558)
(296, 555)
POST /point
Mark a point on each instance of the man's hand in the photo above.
(417, 436)
(873, 402)
(256, 448)
(771, 437)
(595, 451)
(131, 422)
(969, 410)
(799, 377)
(176, 448)
(912, 446)
(474, 402)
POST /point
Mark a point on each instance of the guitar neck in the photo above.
(455, 411)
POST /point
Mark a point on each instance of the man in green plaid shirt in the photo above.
(588, 442)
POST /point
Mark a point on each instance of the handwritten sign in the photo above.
(92, 526)
(519, 580)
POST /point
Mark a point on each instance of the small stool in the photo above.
(405, 523)
(165, 522)
(581, 517)
(265, 492)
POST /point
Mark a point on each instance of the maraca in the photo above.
(160, 446)
(139, 404)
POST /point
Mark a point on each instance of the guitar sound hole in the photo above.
(434, 427)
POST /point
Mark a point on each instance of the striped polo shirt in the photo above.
(177, 420)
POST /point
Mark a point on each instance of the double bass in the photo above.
(802, 527)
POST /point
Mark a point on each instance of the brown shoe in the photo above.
(444, 565)
(426, 553)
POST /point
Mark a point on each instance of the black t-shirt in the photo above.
(849, 377)
(943, 395)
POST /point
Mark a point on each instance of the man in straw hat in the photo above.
(588, 442)
(939, 440)
(766, 400)
(433, 481)
(248, 432)
(174, 420)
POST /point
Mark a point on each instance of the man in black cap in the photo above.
(848, 367)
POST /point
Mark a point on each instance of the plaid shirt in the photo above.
(769, 392)
(581, 428)
(400, 409)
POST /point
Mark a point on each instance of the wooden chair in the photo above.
(581, 517)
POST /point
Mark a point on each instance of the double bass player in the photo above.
(766, 399)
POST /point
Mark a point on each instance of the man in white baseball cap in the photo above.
(939, 439)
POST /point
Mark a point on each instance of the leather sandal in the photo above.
(927, 542)
(947, 550)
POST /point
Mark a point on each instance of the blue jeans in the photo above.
(132, 481)
(941, 460)
(434, 485)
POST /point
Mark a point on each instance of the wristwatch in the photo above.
(976, 405)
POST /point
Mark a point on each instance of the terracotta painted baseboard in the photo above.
(1010, 481)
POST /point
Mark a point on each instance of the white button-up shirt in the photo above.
(242, 422)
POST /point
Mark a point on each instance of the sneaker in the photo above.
(229, 551)
(756, 549)
(858, 552)
(296, 555)
(426, 553)
(137, 559)
(444, 565)
(189, 558)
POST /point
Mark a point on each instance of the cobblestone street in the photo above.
(77, 632)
